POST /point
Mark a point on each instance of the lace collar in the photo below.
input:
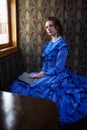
(58, 38)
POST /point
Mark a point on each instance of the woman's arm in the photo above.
(60, 61)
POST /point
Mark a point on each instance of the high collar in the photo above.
(58, 38)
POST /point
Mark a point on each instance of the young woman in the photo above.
(55, 81)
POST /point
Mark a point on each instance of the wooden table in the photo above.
(27, 113)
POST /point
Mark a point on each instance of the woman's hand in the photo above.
(39, 75)
(32, 76)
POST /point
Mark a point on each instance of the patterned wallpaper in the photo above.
(32, 36)
(72, 14)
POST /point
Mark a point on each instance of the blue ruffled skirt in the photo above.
(67, 89)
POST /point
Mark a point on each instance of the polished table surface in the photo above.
(27, 113)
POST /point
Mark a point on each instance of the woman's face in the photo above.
(50, 28)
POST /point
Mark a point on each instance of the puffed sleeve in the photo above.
(60, 61)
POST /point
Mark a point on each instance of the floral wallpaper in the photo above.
(32, 14)
(32, 36)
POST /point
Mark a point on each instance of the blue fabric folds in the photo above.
(67, 89)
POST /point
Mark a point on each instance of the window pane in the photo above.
(4, 35)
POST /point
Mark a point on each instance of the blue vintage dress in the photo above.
(60, 85)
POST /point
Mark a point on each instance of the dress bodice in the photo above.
(53, 54)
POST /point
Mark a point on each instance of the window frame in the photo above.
(11, 47)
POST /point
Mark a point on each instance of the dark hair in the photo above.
(56, 23)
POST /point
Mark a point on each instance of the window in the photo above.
(8, 27)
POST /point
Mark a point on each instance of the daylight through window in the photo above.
(4, 37)
(8, 27)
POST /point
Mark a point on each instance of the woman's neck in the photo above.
(54, 38)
